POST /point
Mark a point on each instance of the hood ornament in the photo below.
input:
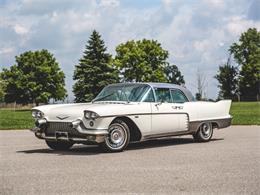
(62, 117)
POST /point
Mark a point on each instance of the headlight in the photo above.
(37, 114)
(90, 115)
(34, 113)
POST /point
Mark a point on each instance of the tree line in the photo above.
(241, 80)
(36, 77)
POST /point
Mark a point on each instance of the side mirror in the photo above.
(159, 103)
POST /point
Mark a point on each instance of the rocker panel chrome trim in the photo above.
(161, 135)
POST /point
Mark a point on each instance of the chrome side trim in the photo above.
(161, 135)
(139, 114)
(193, 127)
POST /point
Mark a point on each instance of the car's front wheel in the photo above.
(118, 137)
(204, 133)
(59, 145)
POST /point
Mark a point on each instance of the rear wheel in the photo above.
(204, 133)
(118, 137)
(59, 145)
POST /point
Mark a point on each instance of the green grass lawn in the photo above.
(244, 113)
(20, 119)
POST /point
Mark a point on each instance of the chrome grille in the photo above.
(56, 126)
(52, 127)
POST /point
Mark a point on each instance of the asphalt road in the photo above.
(229, 164)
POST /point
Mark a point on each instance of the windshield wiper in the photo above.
(101, 98)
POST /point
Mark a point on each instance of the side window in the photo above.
(149, 97)
(178, 96)
(163, 95)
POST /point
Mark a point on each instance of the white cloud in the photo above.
(196, 33)
(167, 3)
(19, 29)
(6, 50)
(238, 24)
(109, 3)
(216, 3)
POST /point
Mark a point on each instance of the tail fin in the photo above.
(225, 105)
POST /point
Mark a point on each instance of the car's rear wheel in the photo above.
(59, 145)
(118, 137)
(204, 132)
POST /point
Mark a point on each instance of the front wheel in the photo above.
(59, 145)
(204, 133)
(118, 137)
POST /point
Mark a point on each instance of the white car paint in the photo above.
(151, 118)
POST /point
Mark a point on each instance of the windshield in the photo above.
(127, 92)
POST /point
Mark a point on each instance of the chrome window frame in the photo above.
(174, 89)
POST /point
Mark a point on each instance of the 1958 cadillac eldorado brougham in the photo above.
(130, 112)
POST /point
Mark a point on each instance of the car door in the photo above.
(164, 116)
(178, 104)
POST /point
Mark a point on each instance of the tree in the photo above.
(141, 61)
(35, 78)
(201, 85)
(94, 70)
(227, 78)
(173, 75)
(2, 90)
(247, 54)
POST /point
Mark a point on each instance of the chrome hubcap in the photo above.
(117, 136)
(206, 130)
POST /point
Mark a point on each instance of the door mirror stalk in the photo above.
(159, 103)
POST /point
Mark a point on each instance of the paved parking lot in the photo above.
(229, 164)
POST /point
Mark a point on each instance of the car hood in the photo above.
(70, 112)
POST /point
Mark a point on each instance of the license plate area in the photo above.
(61, 135)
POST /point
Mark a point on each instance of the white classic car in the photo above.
(130, 112)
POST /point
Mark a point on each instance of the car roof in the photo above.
(186, 92)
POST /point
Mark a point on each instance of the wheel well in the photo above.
(135, 133)
(214, 125)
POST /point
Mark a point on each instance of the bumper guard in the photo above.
(96, 135)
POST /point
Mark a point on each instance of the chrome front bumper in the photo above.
(83, 134)
(77, 125)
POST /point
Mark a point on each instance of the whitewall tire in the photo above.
(118, 137)
(204, 132)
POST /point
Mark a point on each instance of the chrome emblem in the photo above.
(62, 117)
(177, 107)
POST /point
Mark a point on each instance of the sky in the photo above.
(197, 33)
